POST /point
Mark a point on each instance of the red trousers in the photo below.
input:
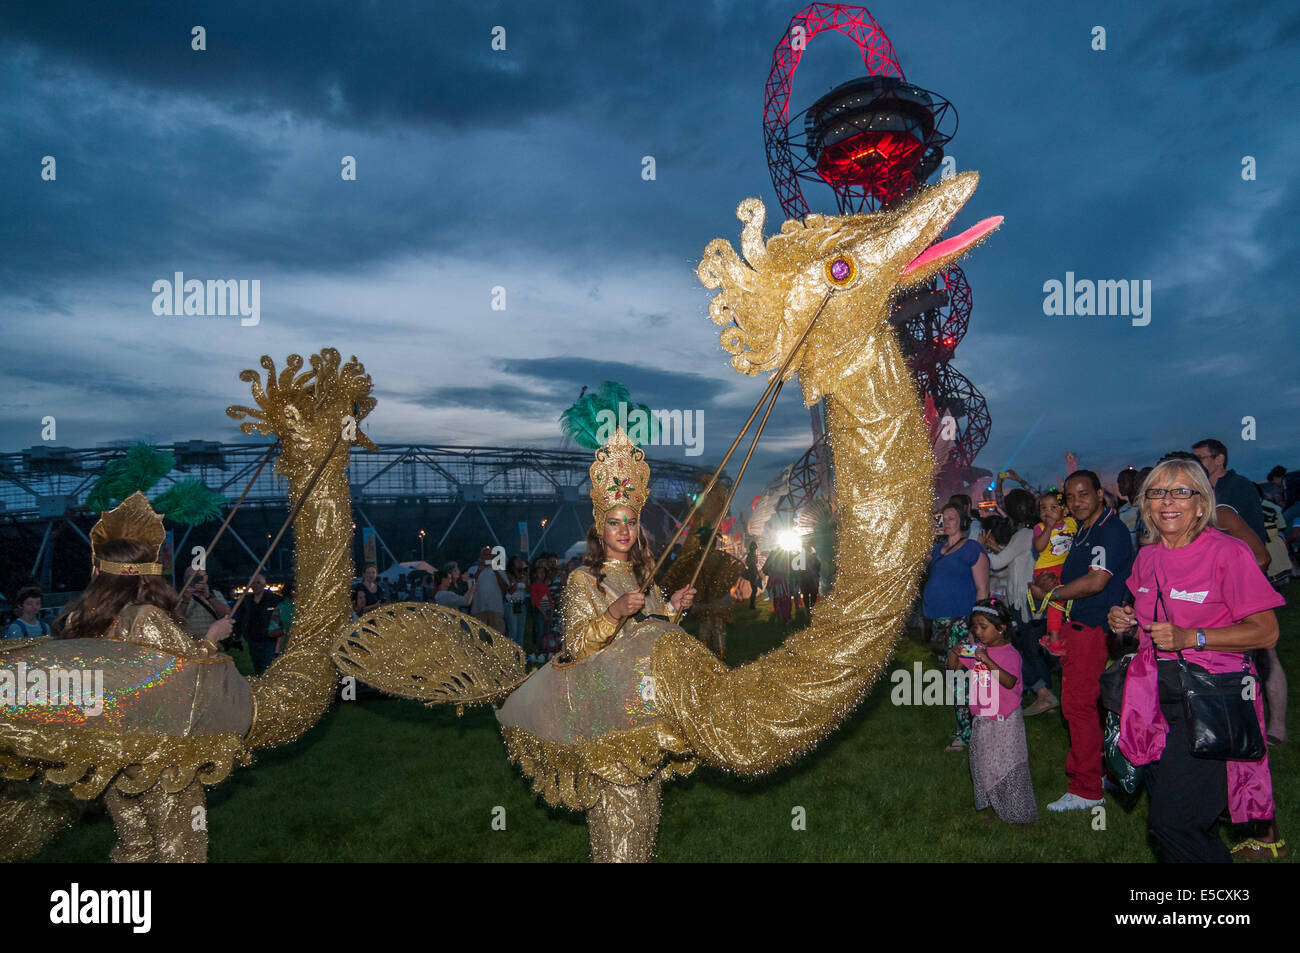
(1055, 616)
(1080, 698)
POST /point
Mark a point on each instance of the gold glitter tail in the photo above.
(431, 654)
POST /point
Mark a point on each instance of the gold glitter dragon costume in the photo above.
(655, 702)
(713, 602)
(176, 715)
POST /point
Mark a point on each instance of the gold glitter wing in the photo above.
(431, 654)
(713, 585)
(720, 571)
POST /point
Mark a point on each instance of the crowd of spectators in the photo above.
(1175, 565)
(519, 601)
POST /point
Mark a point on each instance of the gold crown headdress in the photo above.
(619, 477)
(132, 519)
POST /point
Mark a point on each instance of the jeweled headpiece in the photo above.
(132, 519)
(619, 477)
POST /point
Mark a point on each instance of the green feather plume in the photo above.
(190, 501)
(582, 421)
(138, 469)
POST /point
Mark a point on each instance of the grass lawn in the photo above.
(391, 780)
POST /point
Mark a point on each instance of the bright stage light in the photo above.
(789, 539)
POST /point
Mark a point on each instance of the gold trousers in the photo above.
(624, 823)
(157, 827)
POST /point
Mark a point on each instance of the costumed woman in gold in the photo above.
(175, 714)
(604, 609)
(128, 601)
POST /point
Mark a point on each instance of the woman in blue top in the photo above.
(959, 577)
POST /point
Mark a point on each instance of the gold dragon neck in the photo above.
(316, 415)
(756, 717)
(299, 686)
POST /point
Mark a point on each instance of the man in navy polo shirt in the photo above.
(1092, 579)
(1237, 505)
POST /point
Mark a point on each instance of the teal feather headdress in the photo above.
(188, 501)
(590, 416)
(138, 469)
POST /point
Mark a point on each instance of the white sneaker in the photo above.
(1072, 802)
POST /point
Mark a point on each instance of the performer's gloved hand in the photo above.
(627, 605)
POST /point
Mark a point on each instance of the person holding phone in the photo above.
(1200, 593)
(492, 586)
(445, 593)
(999, 755)
(200, 606)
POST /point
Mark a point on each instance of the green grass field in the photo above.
(391, 780)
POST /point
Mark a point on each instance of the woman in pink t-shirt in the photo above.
(1199, 592)
(999, 756)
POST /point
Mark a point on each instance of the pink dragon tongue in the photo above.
(955, 244)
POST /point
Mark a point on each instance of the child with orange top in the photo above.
(1053, 538)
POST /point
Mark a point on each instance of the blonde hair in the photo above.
(1196, 478)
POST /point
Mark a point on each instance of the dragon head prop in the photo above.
(767, 300)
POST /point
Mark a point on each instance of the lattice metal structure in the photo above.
(873, 141)
(805, 478)
(452, 494)
(965, 403)
(931, 323)
(878, 58)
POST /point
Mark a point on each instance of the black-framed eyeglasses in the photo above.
(1178, 493)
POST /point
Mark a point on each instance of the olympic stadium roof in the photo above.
(44, 482)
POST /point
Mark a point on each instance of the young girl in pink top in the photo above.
(999, 756)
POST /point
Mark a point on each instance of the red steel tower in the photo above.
(873, 141)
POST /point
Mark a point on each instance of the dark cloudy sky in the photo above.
(522, 169)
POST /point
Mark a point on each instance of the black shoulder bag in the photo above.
(1111, 682)
(1219, 708)
(1128, 775)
